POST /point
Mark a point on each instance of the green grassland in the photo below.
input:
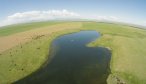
(128, 52)
(16, 28)
(126, 43)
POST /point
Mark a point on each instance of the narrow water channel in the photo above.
(72, 62)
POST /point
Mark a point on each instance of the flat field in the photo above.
(24, 48)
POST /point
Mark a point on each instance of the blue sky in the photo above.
(133, 11)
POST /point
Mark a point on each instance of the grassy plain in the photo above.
(127, 45)
(16, 28)
(21, 57)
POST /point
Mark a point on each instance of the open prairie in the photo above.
(24, 49)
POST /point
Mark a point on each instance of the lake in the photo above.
(72, 62)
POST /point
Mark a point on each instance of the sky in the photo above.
(17, 11)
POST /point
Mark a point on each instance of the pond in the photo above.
(72, 62)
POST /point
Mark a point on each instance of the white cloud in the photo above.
(58, 14)
(144, 22)
(107, 18)
(103, 18)
(38, 15)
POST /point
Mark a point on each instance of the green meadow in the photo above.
(126, 43)
(16, 28)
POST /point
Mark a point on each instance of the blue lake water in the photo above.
(72, 62)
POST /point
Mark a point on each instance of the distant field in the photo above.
(25, 47)
(7, 42)
(12, 29)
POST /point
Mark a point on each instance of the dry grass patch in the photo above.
(7, 42)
